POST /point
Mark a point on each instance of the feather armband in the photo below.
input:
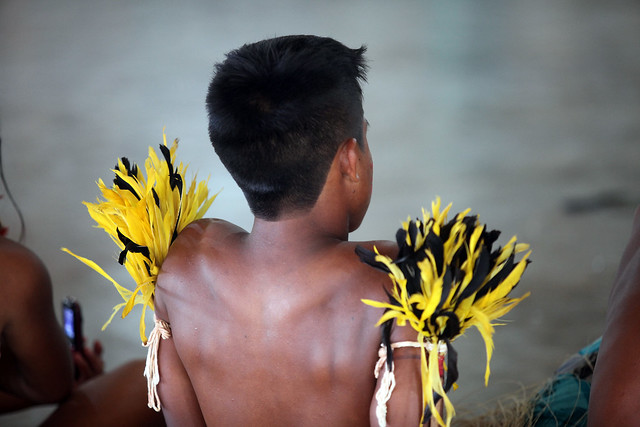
(445, 279)
(143, 215)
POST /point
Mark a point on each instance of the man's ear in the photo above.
(349, 154)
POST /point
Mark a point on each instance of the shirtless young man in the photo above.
(267, 326)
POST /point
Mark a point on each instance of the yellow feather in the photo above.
(124, 292)
(146, 223)
(470, 311)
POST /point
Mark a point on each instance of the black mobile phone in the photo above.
(72, 321)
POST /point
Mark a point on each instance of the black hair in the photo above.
(278, 111)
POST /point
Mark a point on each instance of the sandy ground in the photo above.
(528, 113)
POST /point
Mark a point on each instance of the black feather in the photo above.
(130, 246)
(452, 366)
(132, 171)
(369, 257)
(480, 272)
(385, 329)
(496, 280)
(175, 180)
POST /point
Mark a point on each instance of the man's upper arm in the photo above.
(178, 398)
(405, 405)
(615, 391)
(179, 401)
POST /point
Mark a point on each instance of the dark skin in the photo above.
(37, 365)
(30, 331)
(268, 327)
(615, 389)
(117, 398)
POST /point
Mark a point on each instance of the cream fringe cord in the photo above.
(161, 330)
(388, 382)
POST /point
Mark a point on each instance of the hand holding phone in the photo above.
(87, 360)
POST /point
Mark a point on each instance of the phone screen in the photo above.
(67, 313)
(72, 322)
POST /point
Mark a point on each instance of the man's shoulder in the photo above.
(20, 261)
(210, 229)
(202, 236)
(23, 275)
(361, 275)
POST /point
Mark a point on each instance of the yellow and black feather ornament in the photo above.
(446, 278)
(143, 215)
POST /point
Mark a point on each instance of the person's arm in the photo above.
(11, 403)
(177, 396)
(404, 408)
(615, 390)
(117, 398)
(35, 361)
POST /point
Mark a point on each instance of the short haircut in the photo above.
(278, 111)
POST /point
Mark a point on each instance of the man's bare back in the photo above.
(270, 332)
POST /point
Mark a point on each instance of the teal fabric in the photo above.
(594, 347)
(565, 400)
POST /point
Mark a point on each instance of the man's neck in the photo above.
(304, 232)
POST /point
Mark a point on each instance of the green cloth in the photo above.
(565, 400)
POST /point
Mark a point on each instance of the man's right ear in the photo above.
(348, 156)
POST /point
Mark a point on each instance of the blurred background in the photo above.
(527, 112)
